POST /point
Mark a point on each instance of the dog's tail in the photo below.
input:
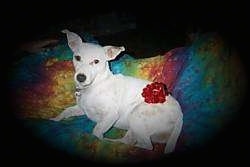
(172, 140)
(65, 31)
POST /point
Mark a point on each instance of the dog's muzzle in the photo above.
(80, 77)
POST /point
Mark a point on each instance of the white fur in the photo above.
(115, 100)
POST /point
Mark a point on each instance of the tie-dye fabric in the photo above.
(207, 78)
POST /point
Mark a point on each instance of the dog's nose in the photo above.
(81, 77)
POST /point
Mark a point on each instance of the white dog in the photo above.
(116, 100)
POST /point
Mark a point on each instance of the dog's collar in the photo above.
(78, 91)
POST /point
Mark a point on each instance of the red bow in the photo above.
(154, 93)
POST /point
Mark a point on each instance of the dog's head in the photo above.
(90, 60)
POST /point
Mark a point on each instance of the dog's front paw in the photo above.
(68, 112)
(97, 132)
(55, 119)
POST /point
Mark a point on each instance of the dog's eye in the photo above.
(78, 58)
(96, 61)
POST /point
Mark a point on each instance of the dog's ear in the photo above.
(112, 51)
(74, 41)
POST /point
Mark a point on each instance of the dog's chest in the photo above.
(118, 94)
(98, 102)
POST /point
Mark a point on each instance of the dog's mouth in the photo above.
(86, 84)
(80, 86)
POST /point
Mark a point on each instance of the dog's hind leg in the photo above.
(172, 140)
(144, 142)
(69, 112)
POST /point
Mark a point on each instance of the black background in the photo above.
(25, 20)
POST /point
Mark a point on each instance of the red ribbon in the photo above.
(154, 93)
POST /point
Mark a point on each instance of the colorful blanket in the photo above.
(206, 77)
